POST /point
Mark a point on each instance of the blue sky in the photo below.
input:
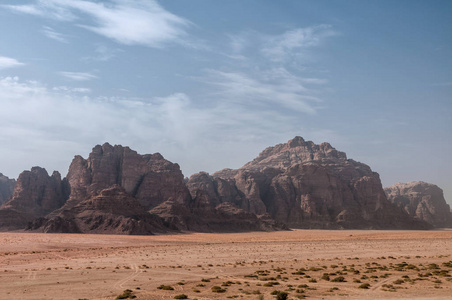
(210, 84)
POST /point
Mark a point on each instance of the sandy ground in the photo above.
(358, 264)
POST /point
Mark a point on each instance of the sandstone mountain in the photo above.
(305, 185)
(423, 201)
(6, 188)
(35, 195)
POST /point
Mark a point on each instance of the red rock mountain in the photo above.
(305, 185)
(6, 188)
(423, 201)
(35, 195)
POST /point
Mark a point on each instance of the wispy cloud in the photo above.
(128, 22)
(287, 45)
(8, 62)
(78, 76)
(268, 89)
(176, 126)
(52, 34)
(281, 48)
(102, 53)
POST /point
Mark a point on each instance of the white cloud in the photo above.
(52, 34)
(129, 22)
(291, 45)
(102, 53)
(285, 46)
(269, 89)
(8, 62)
(78, 76)
(26, 9)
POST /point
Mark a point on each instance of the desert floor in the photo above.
(358, 264)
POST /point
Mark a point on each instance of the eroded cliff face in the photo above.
(6, 188)
(35, 195)
(304, 185)
(155, 185)
(423, 201)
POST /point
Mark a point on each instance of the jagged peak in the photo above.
(37, 170)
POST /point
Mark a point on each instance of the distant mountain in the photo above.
(116, 190)
(423, 201)
(6, 188)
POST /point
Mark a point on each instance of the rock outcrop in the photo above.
(35, 195)
(112, 211)
(6, 188)
(304, 185)
(423, 201)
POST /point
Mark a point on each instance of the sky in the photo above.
(210, 84)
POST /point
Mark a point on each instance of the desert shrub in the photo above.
(205, 280)
(399, 281)
(325, 276)
(181, 296)
(312, 280)
(364, 286)
(281, 296)
(127, 294)
(217, 289)
(338, 279)
(165, 287)
(271, 283)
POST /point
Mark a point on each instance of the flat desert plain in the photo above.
(311, 264)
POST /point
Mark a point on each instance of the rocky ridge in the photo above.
(116, 190)
(423, 201)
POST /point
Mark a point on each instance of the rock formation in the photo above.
(423, 201)
(151, 182)
(35, 195)
(6, 188)
(304, 185)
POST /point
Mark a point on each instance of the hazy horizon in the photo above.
(209, 85)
